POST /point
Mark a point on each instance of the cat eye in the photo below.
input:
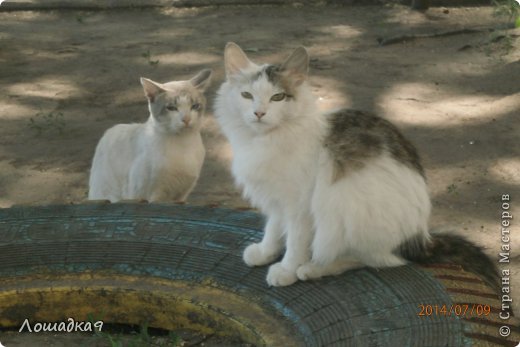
(247, 95)
(195, 107)
(278, 97)
(171, 108)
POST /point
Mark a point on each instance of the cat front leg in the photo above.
(299, 237)
(330, 255)
(184, 195)
(271, 246)
(138, 181)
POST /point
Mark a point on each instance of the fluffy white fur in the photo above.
(325, 226)
(161, 159)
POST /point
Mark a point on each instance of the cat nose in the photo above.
(186, 120)
(259, 114)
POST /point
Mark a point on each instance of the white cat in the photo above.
(161, 159)
(340, 191)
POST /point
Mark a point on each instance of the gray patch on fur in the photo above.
(355, 137)
(275, 76)
(173, 98)
(273, 73)
(414, 247)
(453, 249)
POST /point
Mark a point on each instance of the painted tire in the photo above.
(179, 266)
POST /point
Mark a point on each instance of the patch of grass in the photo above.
(47, 122)
(148, 56)
(140, 339)
(127, 336)
(452, 188)
(500, 42)
(509, 9)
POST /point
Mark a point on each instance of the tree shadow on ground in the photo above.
(87, 65)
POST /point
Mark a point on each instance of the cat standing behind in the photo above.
(161, 159)
(340, 191)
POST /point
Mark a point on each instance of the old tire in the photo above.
(178, 266)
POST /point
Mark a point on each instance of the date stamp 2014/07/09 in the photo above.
(460, 310)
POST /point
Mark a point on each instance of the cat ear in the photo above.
(296, 67)
(151, 89)
(202, 79)
(235, 60)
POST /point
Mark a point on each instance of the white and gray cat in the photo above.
(161, 159)
(339, 191)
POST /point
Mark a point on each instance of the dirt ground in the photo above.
(67, 76)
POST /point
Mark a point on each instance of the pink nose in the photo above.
(259, 114)
(186, 121)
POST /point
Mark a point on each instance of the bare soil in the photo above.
(67, 76)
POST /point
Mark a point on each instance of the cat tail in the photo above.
(455, 249)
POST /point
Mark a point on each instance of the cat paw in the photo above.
(309, 271)
(278, 276)
(254, 255)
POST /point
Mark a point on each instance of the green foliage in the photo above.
(136, 339)
(509, 9)
(452, 188)
(148, 56)
(47, 122)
